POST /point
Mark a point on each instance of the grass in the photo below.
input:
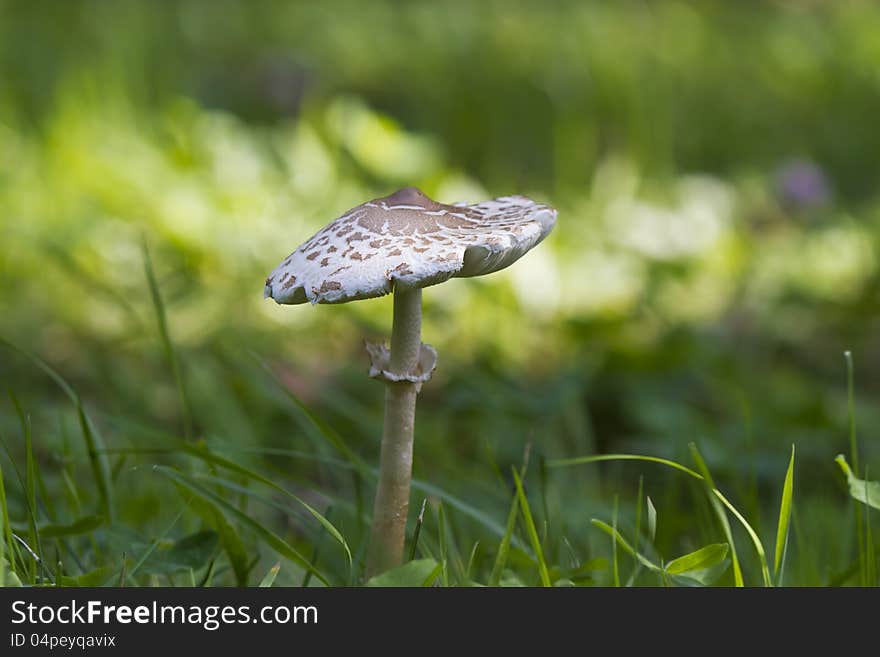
(237, 527)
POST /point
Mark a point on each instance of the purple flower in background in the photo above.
(802, 184)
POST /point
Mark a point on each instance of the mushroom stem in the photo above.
(395, 465)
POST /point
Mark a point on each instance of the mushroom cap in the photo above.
(405, 241)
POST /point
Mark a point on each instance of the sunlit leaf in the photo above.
(420, 572)
(701, 559)
(866, 492)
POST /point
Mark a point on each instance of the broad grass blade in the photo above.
(702, 559)
(782, 527)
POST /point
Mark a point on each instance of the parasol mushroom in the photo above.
(399, 244)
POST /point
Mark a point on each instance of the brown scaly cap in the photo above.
(407, 240)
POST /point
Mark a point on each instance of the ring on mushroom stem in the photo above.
(400, 244)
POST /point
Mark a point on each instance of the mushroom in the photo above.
(399, 244)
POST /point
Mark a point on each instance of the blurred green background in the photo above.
(715, 168)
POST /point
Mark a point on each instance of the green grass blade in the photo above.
(719, 513)
(870, 551)
(784, 524)
(441, 533)
(753, 535)
(58, 566)
(208, 577)
(530, 530)
(851, 410)
(641, 493)
(167, 344)
(625, 546)
(854, 455)
(47, 504)
(652, 518)
(429, 580)
(27, 548)
(30, 485)
(418, 530)
(580, 460)
(272, 539)
(269, 579)
(14, 556)
(316, 550)
(6, 545)
(504, 546)
(71, 491)
(638, 533)
(615, 566)
(701, 559)
(471, 559)
(100, 465)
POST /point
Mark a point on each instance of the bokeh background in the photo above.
(715, 168)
